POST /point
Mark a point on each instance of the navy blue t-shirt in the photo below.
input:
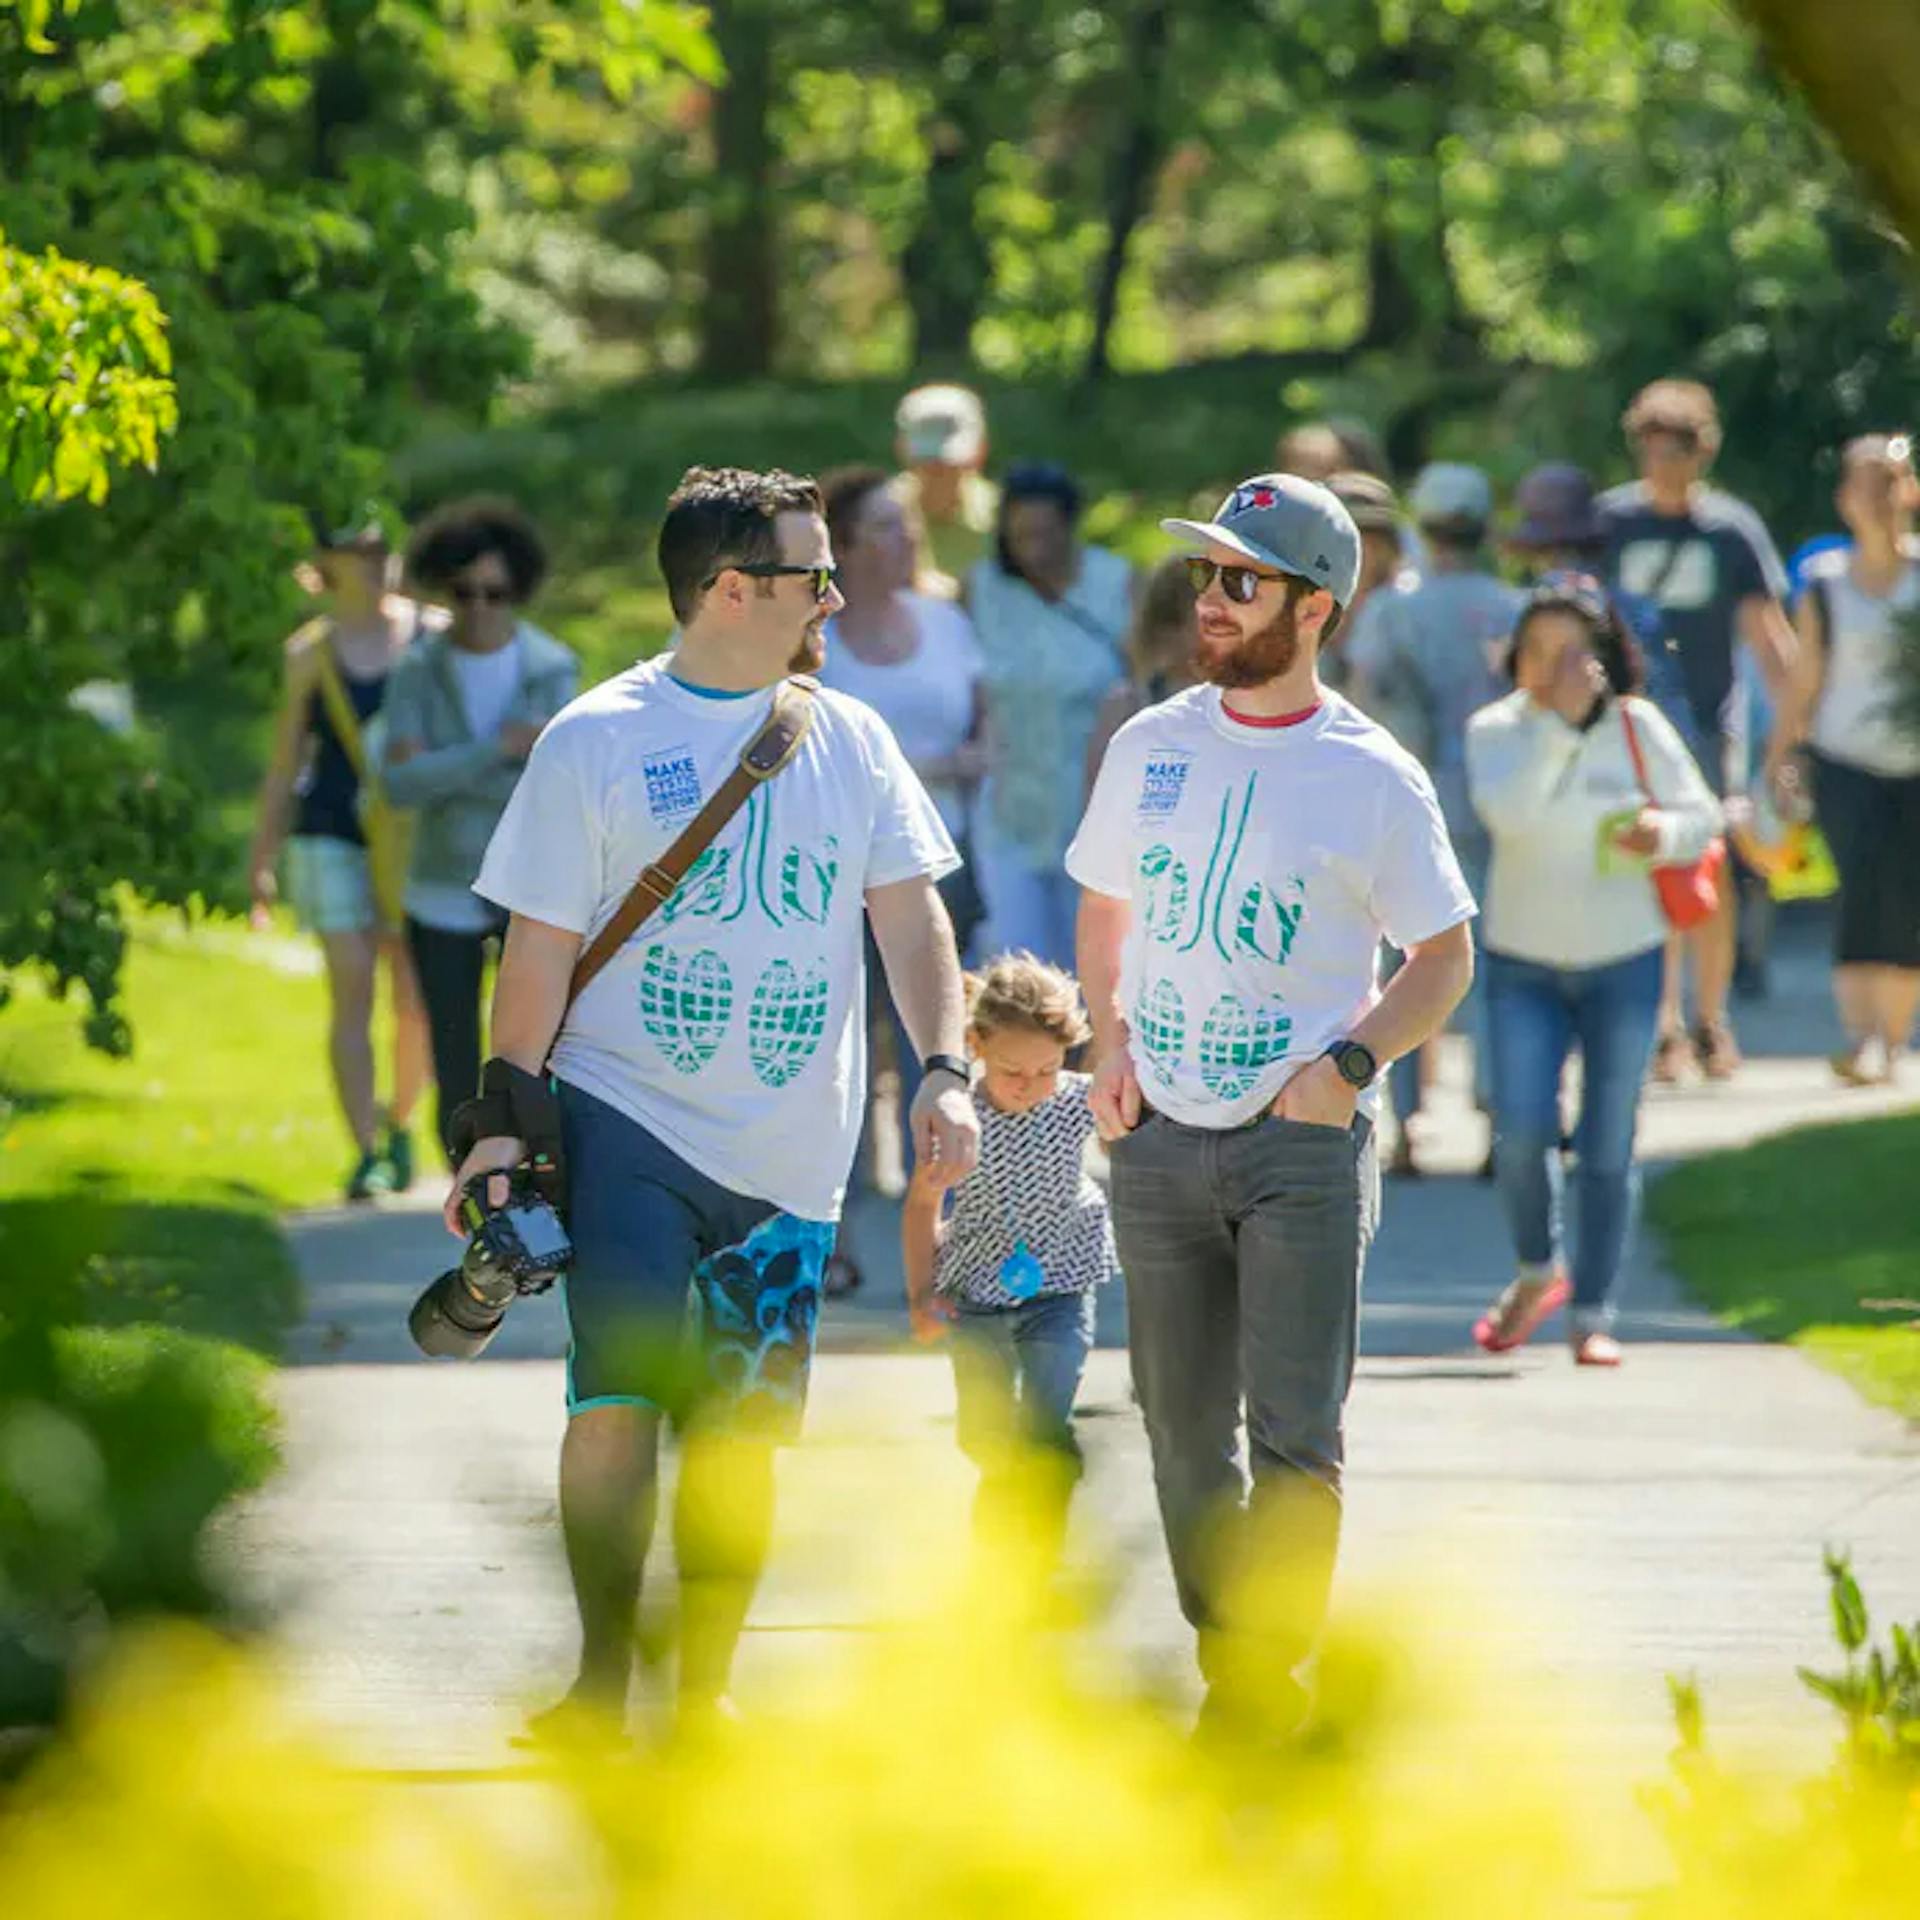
(1699, 566)
(327, 795)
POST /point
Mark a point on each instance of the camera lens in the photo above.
(451, 1321)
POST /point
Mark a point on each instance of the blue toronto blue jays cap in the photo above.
(1295, 526)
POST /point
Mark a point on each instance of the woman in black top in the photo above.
(310, 803)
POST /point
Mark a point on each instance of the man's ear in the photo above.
(728, 593)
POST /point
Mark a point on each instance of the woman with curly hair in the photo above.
(462, 713)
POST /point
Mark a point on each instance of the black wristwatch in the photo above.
(1355, 1059)
(948, 1063)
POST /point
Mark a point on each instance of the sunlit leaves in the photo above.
(85, 384)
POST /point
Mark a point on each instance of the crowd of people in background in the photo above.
(403, 725)
(1226, 825)
(1600, 685)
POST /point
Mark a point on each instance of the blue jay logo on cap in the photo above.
(1248, 497)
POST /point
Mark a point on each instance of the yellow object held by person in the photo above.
(1790, 855)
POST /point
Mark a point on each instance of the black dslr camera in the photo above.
(520, 1246)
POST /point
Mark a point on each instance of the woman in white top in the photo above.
(1573, 935)
(914, 660)
(1866, 759)
(1052, 615)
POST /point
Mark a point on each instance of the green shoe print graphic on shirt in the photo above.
(785, 1021)
(685, 1005)
(1266, 924)
(807, 881)
(703, 893)
(1160, 1024)
(1238, 1043)
(1245, 921)
(1164, 887)
(728, 883)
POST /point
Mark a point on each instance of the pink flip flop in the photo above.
(1499, 1335)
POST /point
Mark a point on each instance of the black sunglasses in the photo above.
(469, 595)
(1239, 584)
(824, 579)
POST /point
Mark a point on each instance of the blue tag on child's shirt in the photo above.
(1020, 1273)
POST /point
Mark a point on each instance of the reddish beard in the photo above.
(1255, 658)
(811, 654)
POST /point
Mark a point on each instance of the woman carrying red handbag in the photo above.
(1604, 834)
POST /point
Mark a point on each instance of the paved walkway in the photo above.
(1607, 1529)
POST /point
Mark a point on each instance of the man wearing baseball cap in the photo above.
(1247, 845)
(940, 440)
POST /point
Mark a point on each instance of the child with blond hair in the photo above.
(1006, 1266)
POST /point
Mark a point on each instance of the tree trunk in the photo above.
(1393, 301)
(1858, 63)
(342, 101)
(1413, 298)
(741, 307)
(1136, 163)
(946, 266)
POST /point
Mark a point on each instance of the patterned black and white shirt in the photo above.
(1031, 1185)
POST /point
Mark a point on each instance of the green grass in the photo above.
(144, 1191)
(1797, 1237)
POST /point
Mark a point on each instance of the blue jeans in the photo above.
(1015, 1372)
(1032, 901)
(1535, 1016)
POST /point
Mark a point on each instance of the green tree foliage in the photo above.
(1481, 223)
(85, 382)
(289, 178)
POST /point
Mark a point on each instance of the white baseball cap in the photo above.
(942, 423)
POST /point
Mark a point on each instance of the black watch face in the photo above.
(1358, 1064)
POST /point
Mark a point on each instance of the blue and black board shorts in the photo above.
(683, 1295)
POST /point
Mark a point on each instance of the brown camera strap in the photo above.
(766, 753)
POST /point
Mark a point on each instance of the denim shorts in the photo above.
(329, 886)
(649, 1231)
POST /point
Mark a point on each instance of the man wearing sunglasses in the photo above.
(1247, 846)
(711, 1079)
(1707, 561)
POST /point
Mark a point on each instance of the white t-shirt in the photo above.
(731, 1026)
(1264, 865)
(1853, 722)
(487, 683)
(927, 699)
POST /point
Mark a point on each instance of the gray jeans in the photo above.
(1243, 1252)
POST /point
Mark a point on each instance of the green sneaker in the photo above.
(370, 1178)
(399, 1148)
